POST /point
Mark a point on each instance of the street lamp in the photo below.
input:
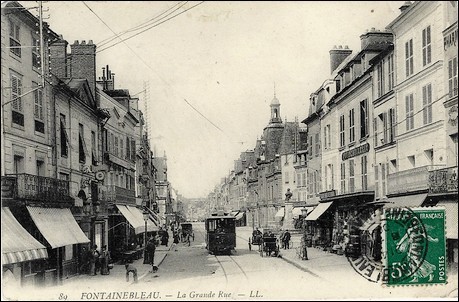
(304, 212)
(146, 216)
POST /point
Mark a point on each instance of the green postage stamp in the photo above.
(415, 248)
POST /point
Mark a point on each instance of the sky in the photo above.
(212, 70)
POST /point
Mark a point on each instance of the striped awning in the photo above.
(135, 218)
(17, 244)
(318, 211)
(58, 226)
(151, 226)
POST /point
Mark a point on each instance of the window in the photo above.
(81, 144)
(377, 180)
(383, 179)
(390, 72)
(128, 148)
(133, 153)
(116, 146)
(121, 148)
(427, 104)
(40, 168)
(325, 138)
(304, 179)
(364, 172)
(317, 144)
(18, 164)
(452, 77)
(64, 176)
(328, 136)
(363, 118)
(15, 43)
(351, 126)
(409, 107)
(93, 148)
(343, 178)
(426, 46)
(382, 136)
(392, 124)
(36, 62)
(380, 78)
(341, 131)
(429, 155)
(298, 177)
(38, 109)
(351, 176)
(310, 147)
(409, 57)
(64, 137)
(412, 161)
(16, 100)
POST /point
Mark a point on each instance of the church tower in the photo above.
(275, 109)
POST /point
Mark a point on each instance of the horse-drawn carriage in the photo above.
(187, 231)
(267, 241)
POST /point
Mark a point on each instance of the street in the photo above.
(191, 273)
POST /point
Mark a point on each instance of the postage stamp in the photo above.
(415, 248)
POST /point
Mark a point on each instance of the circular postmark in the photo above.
(389, 247)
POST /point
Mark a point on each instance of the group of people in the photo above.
(284, 237)
(94, 261)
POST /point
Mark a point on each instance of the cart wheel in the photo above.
(250, 246)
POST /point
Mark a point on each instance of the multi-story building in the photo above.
(350, 151)
(35, 196)
(426, 92)
(451, 124)
(162, 187)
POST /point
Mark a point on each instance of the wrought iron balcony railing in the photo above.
(416, 179)
(117, 194)
(38, 188)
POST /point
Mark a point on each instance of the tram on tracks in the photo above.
(220, 234)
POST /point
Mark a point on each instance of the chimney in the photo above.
(337, 56)
(404, 6)
(58, 53)
(375, 36)
(84, 62)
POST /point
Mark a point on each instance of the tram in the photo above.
(220, 234)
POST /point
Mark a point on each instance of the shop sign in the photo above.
(443, 180)
(356, 151)
(327, 194)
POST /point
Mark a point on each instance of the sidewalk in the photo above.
(319, 262)
(118, 272)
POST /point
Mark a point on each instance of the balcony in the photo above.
(426, 178)
(119, 195)
(29, 187)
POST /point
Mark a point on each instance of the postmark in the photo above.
(414, 242)
(363, 251)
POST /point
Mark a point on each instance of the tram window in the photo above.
(212, 225)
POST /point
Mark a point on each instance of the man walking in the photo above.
(286, 240)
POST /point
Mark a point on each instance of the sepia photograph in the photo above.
(229, 150)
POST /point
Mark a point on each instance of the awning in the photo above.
(280, 214)
(239, 215)
(17, 244)
(406, 201)
(297, 212)
(451, 218)
(370, 227)
(151, 226)
(234, 213)
(58, 226)
(318, 211)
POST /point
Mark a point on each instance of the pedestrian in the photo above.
(176, 241)
(281, 238)
(150, 250)
(130, 269)
(94, 261)
(104, 261)
(84, 261)
(286, 240)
